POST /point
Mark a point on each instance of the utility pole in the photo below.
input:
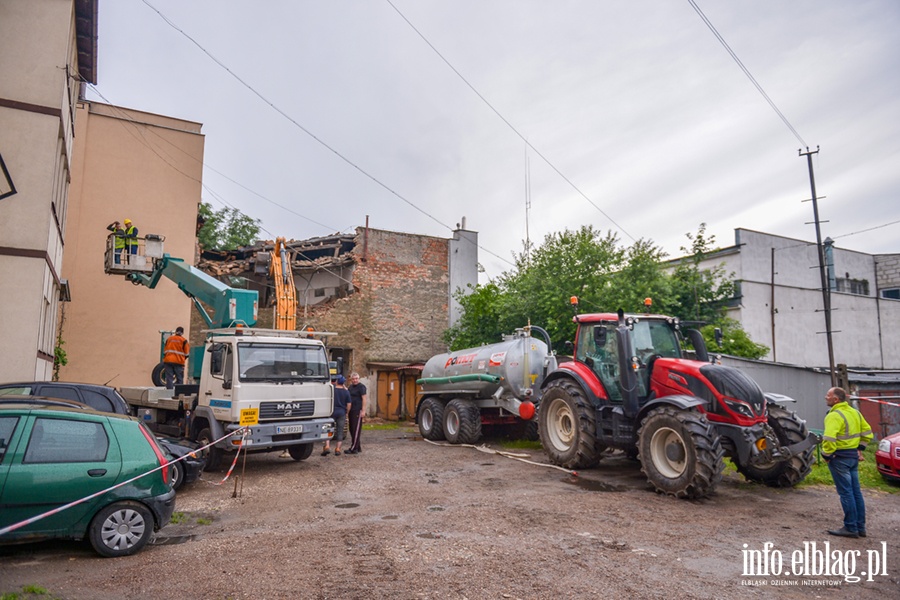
(826, 289)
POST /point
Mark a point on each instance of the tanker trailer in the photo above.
(497, 384)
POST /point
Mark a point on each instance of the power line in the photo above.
(745, 70)
(508, 124)
(307, 131)
(865, 230)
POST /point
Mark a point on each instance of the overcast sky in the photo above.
(635, 103)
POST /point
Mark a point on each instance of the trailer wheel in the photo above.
(680, 452)
(158, 375)
(790, 429)
(462, 422)
(431, 419)
(568, 426)
(300, 451)
(212, 454)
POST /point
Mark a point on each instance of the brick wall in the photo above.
(887, 270)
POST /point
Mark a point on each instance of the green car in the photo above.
(52, 455)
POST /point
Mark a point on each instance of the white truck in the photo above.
(274, 382)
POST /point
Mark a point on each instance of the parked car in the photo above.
(107, 399)
(887, 457)
(52, 454)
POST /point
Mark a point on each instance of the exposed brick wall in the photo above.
(887, 270)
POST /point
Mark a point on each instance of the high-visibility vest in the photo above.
(118, 237)
(845, 429)
(176, 350)
(131, 236)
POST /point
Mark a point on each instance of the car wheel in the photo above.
(177, 474)
(121, 529)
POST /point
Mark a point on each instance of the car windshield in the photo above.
(654, 337)
(281, 362)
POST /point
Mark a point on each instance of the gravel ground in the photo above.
(411, 519)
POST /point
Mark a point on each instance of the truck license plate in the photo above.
(289, 429)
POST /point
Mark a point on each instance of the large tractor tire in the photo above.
(790, 429)
(431, 419)
(568, 426)
(462, 422)
(680, 452)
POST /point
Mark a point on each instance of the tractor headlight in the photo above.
(741, 408)
(884, 446)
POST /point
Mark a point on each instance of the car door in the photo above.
(8, 442)
(64, 459)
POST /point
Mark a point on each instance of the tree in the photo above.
(735, 341)
(226, 228)
(700, 294)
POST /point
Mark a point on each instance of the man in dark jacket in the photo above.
(358, 400)
(339, 414)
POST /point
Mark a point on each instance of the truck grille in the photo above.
(286, 410)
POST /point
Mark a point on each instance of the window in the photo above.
(66, 441)
(259, 361)
(891, 293)
(63, 392)
(97, 401)
(859, 287)
(7, 427)
(19, 390)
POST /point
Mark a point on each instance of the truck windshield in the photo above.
(281, 362)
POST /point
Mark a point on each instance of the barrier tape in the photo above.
(877, 401)
(59, 509)
(236, 455)
(519, 457)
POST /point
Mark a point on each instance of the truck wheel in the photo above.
(158, 375)
(462, 422)
(120, 529)
(790, 429)
(212, 454)
(680, 452)
(568, 426)
(431, 419)
(300, 451)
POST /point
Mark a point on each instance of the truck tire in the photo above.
(680, 452)
(568, 426)
(462, 422)
(158, 375)
(431, 419)
(212, 454)
(790, 429)
(120, 529)
(300, 451)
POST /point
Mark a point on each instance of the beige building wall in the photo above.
(147, 168)
(40, 70)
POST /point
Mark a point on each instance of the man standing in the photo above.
(341, 399)
(131, 237)
(843, 442)
(118, 239)
(358, 400)
(175, 354)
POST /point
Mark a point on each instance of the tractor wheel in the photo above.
(431, 419)
(680, 452)
(158, 375)
(790, 429)
(568, 426)
(462, 422)
(212, 454)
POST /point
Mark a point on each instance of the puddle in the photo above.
(435, 508)
(172, 540)
(433, 481)
(390, 517)
(348, 505)
(487, 464)
(590, 485)
(429, 536)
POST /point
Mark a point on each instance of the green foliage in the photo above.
(735, 341)
(869, 477)
(178, 517)
(226, 229)
(60, 358)
(700, 294)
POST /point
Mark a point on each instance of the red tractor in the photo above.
(630, 387)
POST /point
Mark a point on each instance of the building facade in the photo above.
(780, 303)
(49, 48)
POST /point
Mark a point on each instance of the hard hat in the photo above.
(127, 221)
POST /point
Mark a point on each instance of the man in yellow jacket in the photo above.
(843, 442)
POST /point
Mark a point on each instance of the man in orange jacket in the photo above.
(175, 354)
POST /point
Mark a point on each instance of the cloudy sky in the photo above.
(626, 115)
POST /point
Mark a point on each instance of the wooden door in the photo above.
(388, 395)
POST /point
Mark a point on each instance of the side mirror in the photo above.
(600, 334)
(719, 337)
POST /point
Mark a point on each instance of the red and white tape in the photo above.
(876, 400)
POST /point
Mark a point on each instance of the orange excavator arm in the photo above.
(285, 293)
